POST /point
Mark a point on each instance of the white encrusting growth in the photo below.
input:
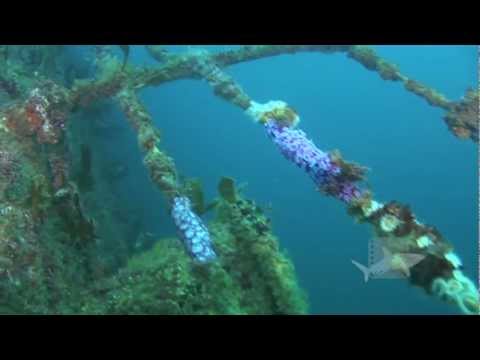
(389, 223)
(424, 241)
(257, 110)
(453, 259)
(371, 208)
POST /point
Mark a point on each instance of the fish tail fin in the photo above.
(363, 269)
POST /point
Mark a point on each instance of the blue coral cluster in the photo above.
(297, 148)
(192, 231)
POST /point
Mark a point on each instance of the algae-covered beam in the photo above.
(249, 53)
(112, 77)
(363, 54)
(179, 66)
(161, 167)
(372, 61)
(461, 117)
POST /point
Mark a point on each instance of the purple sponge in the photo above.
(296, 147)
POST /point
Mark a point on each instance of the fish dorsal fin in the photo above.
(412, 259)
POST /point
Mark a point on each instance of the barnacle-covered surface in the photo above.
(463, 117)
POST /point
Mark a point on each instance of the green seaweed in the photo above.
(194, 191)
(226, 189)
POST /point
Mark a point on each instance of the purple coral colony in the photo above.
(297, 148)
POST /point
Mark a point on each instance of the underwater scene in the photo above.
(239, 180)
